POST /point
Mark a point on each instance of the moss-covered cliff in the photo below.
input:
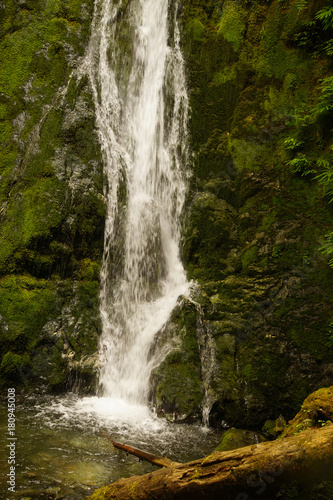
(256, 218)
(51, 204)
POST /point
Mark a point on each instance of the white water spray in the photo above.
(137, 75)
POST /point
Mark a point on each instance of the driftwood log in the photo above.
(252, 472)
(143, 455)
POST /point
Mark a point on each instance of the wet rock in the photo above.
(273, 428)
(237, 438)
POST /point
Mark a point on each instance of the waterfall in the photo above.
(136, 72)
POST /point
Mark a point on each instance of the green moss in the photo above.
(195, 30)
(179, 392)
(316, 410)
(224, 76)
(249, 257)
(89, 270)
(237, 438)
(267, 221)
(246, 154)
(12, 366)
(178, 388)
(27, 303)
(47, 224)
(208, 235)
(32, 215)
(232, 24)
(275, 61)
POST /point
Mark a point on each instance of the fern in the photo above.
(325, 102)
(321, 162)
(292, 144)
(327, 248)
(326, 17)
(325, 178)
(300, 164)
(301, 4)
(329, 47)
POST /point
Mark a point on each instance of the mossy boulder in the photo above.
(177, 388)
(273, 428)
(316, 411)
(238, 438)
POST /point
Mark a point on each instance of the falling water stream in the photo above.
(141, 114)
(136, 72)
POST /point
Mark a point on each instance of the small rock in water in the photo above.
(53, 492)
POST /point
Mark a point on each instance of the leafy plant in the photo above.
(325, 177)
(328, 47)
(325, 101)
(301, 164)
(326, 17)
(301, 4)
(292, 144)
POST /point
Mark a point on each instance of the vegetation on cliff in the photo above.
(51, 204)
(258, 212)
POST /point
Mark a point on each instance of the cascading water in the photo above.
(137, 75)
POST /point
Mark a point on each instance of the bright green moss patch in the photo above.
(224, 76)
(196, 30)
(30, 216)
(249, 257)
(26, 304)
(232, 24)
(238, 438)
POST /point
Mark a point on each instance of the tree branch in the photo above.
(143, 455)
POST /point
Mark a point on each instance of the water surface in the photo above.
(61, 452)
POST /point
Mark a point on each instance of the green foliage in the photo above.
(329, 47)
(301, 4)
(325, 178)
(325, 101)
(326, 17)
(301, 165)
(293, 144)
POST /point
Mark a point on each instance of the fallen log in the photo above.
(143, 455)
(256, 471)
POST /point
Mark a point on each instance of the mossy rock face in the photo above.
(238, 438)
(52, 209)
(253, 227)
(177, 389)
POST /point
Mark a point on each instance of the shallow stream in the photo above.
(60, 451)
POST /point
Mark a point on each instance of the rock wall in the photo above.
(256, 217)
(51, 196)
